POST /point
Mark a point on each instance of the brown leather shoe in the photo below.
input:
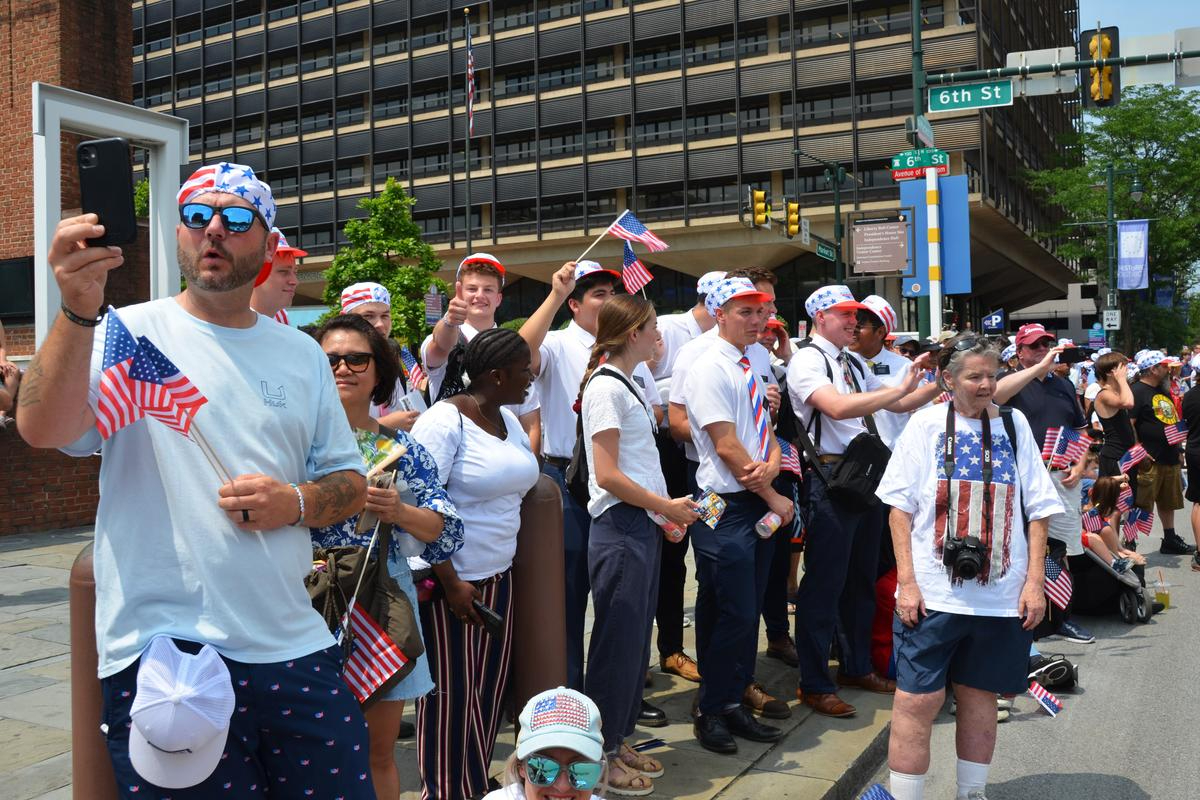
(681, 664)
(785, 650)
(872, 682)
(756, 699)
(829, 705)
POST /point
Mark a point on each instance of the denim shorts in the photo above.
(988, 653)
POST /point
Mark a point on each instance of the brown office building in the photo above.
(670, 108)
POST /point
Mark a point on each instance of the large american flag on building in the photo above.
(634, 274)
(1058, 583)
(964, 509)
(374, 656)
(631, 229)
(162, 390)
(116, 406)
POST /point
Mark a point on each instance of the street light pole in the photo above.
(835, 174)
(1110, 173)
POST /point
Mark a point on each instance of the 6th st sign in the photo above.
(971, 95)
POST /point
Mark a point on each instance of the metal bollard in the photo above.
(92, 775)
(539, 653)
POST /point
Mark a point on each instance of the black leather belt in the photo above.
(561, 463)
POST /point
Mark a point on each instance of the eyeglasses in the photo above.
(355, 362)
(543, 771)
(236, 219)
(968, 343)
(1040, 344)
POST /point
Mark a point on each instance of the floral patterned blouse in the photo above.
(417, 469)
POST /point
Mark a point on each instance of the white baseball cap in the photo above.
(586, 267)
(486, 259)
(560, 718)
(708, 281)
(180, 714)
(882, 309)
(829, 297)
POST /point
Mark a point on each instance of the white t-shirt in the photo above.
(438, 374)
(513, 792)
(608, 404)
(807, 373)
(486, 478)
(564, 355)
(1093, 390)
(717, 391)
(690, 355)
(891, 369)
(677, 330)
(912, 483)
(167, 559)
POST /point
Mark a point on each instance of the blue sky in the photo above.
(1140, 18)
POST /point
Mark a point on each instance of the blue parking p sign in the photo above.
(994, 322)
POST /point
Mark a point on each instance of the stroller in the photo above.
(1100, 589)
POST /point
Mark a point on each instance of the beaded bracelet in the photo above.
(300, 497)
(81, 321)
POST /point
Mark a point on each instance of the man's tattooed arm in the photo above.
(334, 498)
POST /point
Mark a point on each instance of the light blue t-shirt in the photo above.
(167, 559)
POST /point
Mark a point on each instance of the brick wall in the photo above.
(76, 44)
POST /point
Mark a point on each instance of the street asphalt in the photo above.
(1126, 732)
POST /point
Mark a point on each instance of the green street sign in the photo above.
(971, 95)
(923, 158)
(826, 251)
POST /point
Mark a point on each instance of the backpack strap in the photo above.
(1010, 428)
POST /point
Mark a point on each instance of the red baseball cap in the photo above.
(1033, 332)
(281, 249)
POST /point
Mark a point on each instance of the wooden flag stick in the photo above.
(601, 236)
(209, 453)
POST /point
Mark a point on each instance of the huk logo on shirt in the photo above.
(275, 398)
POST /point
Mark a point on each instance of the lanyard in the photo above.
(949, 461)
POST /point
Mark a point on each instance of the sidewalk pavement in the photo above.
(818, 759)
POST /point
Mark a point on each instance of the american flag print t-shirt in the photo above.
(914, 483)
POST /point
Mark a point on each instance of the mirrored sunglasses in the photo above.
(543, 771)
(236, 219)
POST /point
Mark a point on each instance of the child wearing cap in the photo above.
(559, 359)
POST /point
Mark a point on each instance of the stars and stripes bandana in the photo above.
(231, 179)
(759, 404)
(356, 294)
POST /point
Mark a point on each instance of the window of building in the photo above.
(657, 58)
(158, 92)
(318, 179)
(658, 132)
(429, 34)
(519, 151)
(430, 101)
(709, 49)
(249, 129)
(350, 50)
(430, 164)
(217, 79)
(188, 85)
(560, 77)
(315, 119)
(217, 21)
(308, 6)
(187, 29)
(249, 72)
(513, 83)
(311, 238)
(714, 198)
(658, 202)
(158, 36)
(393, 104)
(137, 41)
(600, 69)
(513, 16)
(280, 9)
(389, 165)
(316, 58)
(281, 66)
(350, 173)
(389, 42)
(217, 136)
(282, 124)
(351, 114)
(285, 185)
(247, 14)
(602, 204)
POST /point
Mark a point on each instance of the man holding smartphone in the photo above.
(191, 563)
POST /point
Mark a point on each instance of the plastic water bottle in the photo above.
(766, 526)
(674, 532)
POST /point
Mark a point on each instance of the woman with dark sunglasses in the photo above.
(424, 520)
(560, 750)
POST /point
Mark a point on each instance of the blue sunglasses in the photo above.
(236, 219)
(543, 771)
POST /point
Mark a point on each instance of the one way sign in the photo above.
(994, 322)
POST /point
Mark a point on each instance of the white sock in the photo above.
(906, 787)
(972, 777)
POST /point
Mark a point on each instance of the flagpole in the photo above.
(602, 235)
(467, 127)
(209, 453)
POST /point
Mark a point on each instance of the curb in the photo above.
(862, 769)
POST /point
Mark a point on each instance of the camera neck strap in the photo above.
(949, 460)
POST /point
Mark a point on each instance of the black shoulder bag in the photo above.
(578, 473)
(452, 381)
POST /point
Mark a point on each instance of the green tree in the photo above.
(141, 198)
(1156, 131)
(386, 247)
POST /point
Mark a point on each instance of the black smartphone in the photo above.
(106, 188)
(493, 623)
(1074, 355)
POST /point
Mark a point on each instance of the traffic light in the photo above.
(793, 219)
(1101, 85)
(759, 207)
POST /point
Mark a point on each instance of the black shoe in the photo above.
(712, 733)
(741, 722)
(407, 730)
(651, 717)
(1175, 546)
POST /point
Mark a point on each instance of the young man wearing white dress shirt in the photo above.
(559, 359)
(739, 458)
(841, 553)
(875, 323)
(679, 329)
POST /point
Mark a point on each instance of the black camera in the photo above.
(965, 556)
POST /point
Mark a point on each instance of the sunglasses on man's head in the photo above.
(355, 362)
(543, 771)
(236, 219)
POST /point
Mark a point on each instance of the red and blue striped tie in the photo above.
(758, 403)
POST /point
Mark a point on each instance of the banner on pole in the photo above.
(955, 225)
(1133, 254)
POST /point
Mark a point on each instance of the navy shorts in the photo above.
(296, 731)
(988, 653)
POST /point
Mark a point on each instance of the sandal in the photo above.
(647, 765)
(625, 781)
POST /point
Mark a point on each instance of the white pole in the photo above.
(601, 236)
(932, 205)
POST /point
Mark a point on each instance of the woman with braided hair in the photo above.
(484, 459)
(625, 486)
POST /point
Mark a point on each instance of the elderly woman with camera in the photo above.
(970, 499)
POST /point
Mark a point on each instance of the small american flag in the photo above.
(877, 792)
(1176, 433)
(1058, 584)
(944, 397)
(631, 229)
(1140, 521)
(374, 657)
(470, 82)
(1093, 521)
(1064, 446)
(162, 390)
(115, 403)
(634, 275)
(1136, 455)
(1125, 499)
(1049, 702)
(561, 709)
(412, 367)
(433, 306)
(788, 459)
